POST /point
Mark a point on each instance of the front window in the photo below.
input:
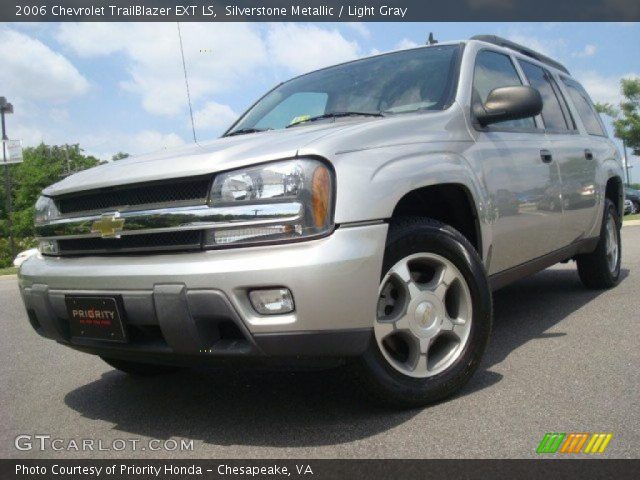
(494, 70)
(400, 82)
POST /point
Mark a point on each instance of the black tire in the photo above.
(141, 369)
(411, 235)
(636, 207)
(593, 268)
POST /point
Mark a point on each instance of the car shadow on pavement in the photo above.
(241, 407)
(525, 310)
(312, 408)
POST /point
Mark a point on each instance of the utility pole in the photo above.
(7, 108)
(626, 162)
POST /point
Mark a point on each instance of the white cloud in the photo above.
(546, 46)
(30, 135)
(104, 144)
(55, 128)
(603, 88)
(218, 57)
(405, 43)
(215, 116)
(31, 70)
(360, 28)
(149, 141)
(301, 48)
(588, 51)
(59, 115)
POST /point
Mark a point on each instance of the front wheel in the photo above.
(433, 316)
(600, 269)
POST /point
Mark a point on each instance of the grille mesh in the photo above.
(182, 240)
(184, 190)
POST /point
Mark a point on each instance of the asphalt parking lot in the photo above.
(562, 359)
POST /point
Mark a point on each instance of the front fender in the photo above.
(370, 183)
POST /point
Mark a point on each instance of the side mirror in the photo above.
(508, 103)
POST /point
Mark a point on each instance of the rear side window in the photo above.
(494, 70)
(585, 107)
(552, 113)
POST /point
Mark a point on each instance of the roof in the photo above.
(503, 42)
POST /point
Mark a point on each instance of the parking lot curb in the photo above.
(631, 223)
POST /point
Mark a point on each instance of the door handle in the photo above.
(545, 156)
(588, 154)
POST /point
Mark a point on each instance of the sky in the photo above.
(120, 87)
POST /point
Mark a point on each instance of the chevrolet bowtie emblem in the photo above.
(109, 225)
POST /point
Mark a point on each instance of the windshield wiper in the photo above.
(337, 115)
(242, 131)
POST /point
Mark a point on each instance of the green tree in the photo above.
(626, 116)
(42, 166)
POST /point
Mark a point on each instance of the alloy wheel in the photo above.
(612, 249)
(424, 315)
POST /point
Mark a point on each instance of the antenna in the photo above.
(186, 82)
(431, 40)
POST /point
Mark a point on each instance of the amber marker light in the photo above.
(320, 195)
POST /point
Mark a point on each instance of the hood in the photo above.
(324, 139)
(221, 154)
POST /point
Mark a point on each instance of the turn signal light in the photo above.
(320, 195)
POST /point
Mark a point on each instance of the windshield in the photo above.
(399, 82)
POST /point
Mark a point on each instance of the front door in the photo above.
(519, 173)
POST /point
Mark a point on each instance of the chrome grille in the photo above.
(190, 191)
(167, 241)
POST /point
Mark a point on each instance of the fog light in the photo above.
(48, 247)
(272, 302)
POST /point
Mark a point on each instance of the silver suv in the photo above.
(362, 212)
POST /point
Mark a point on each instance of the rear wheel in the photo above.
(140, 369)
(433, 315)
(601, 268)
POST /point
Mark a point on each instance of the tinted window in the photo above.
(494, 70)
(540, 79)
(585, 107)
(312, 103)
(395, 83)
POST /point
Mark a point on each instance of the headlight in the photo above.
(46, 210)
(264, 189)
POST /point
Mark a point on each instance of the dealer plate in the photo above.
(95, 318)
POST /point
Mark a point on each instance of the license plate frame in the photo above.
(96, 317)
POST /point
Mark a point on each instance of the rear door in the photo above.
(597, 149)
(571, 151)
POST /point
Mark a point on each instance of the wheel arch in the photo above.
(450, 203)
(614, 191)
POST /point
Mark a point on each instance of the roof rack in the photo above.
(503, 42)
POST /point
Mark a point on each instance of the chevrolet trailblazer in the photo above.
(364, 212)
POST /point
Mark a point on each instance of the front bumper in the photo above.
(196, 304)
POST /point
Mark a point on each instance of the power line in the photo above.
(186, 82)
